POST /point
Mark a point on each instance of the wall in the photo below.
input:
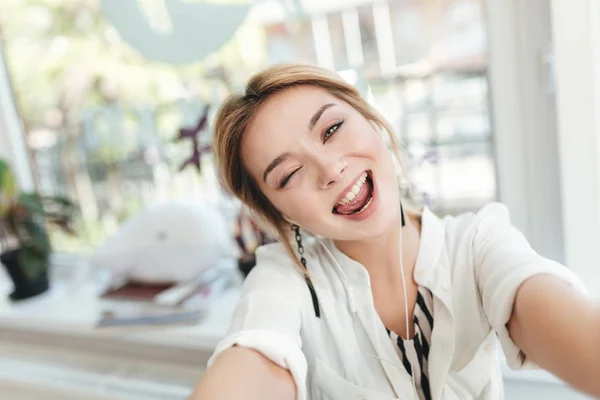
(576, 41)
(524, 113)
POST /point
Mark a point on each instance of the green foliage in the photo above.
(8, 186)
(24, 215)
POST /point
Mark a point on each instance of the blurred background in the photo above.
(107, 105)
(101, 115)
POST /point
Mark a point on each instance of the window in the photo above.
(290, 41)
(368, 36)
(338, 42)
(103, 131)
(436, 99)
(438, 104)
(410, 36)
(458, 31)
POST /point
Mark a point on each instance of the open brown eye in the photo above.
(329, 132)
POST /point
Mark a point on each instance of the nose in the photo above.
(330, 172)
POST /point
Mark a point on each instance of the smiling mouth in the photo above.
(358, 198)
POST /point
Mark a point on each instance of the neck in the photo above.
(380, 255)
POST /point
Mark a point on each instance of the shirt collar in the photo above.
(431, 244)
(432, 269)
(353, 271)
(426, 272)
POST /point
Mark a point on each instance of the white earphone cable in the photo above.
(412, 375)
(352, 305)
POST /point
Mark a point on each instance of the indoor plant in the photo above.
(24, 241)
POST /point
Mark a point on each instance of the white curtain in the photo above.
(12, 139)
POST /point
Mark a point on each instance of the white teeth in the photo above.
(365, 206)
(354, 190)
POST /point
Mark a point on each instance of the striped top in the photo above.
(414, 353)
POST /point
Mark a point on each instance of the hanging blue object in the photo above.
(197, 29)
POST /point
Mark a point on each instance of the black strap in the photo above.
(313, 295)
(402, 215)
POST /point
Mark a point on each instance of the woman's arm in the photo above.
(558, 328)
(240, 373)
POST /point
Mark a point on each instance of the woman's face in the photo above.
(322, 165)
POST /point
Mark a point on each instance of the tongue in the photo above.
(359, 201)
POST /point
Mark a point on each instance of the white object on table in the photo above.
(174, 241)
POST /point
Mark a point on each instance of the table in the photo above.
(50, 348)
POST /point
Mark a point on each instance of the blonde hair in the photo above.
(238, 111)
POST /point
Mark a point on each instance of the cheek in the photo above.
(299, 205)
(370, 144)
(364, 137)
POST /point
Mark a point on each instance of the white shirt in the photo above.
(473, 265)
(414, 352)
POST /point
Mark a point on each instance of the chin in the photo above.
(380, 223)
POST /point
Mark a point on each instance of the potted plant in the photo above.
(24, 242)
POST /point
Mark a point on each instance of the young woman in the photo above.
(366, 297)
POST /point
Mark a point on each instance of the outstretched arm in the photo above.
(240, 373)
(558, 328)
(538, 308)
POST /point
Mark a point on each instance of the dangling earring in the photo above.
(311, 288)
(296, 230)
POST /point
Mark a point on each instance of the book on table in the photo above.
(164, 303)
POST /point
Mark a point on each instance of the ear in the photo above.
(289, 220)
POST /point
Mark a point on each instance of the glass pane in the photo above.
(368, 38)
(417, 95)
(453, 90)
(461, 107)
(290, 41)
(467, 178)
(386, 99)
(459, 32)
(455, 124)
(417, 127)
(409, 31)
(338, 42)
(423, 173)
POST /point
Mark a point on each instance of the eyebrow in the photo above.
(315, 118)
(274, 165)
